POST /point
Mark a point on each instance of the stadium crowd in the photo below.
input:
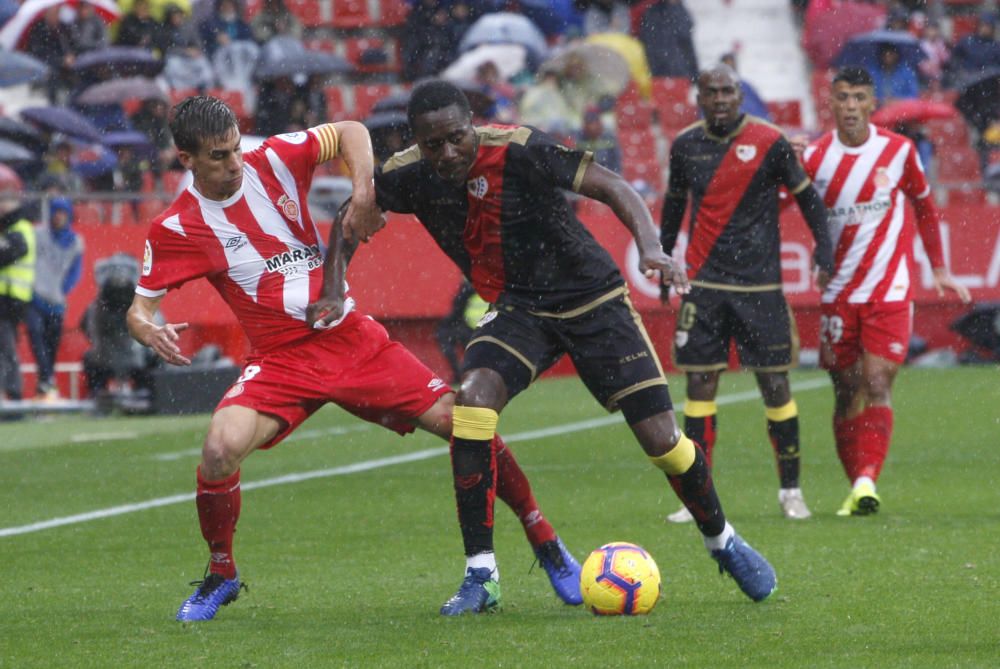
(89, 84)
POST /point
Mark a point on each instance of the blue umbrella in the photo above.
(7, 9)
(22, 133)
(11, 152)
(119, 60)
(132, 138)
(99, 162)
(506, 28)
(863, 49)
(300, 63)
(555, 17)
(64, 120)
(20, 68)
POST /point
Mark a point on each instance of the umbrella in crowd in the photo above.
(912, 111)
(826, 30)
(393, 102)
(93, 161)
(599, 69)
(64, 120)
(863, 49)
(992, 177)
(509, 59)
(117, 91)
(506, 28)
(7, 9)
(390, 132)
(302, 62)
(120, 61)
(20, 68)
(132, 138)
(554, 17)
(979, 98)
(21, 133)
(15, 31)
(11, 152)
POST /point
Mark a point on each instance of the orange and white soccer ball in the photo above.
(620, 579)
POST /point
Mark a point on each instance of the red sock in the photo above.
(513, 488)
(847, 432)
(218, 505)
(876, 433)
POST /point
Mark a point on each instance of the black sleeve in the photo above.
(814, 212)
(553, 163)
(391, 191)
(790, 172)
(12, 246)
(675, 201)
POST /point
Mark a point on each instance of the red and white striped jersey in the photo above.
(864, 189)
(260, 248)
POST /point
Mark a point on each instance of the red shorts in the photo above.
(355, 365)
(848, 330)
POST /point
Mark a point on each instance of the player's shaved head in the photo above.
(720, 72)
(720, 98)
(433, 95)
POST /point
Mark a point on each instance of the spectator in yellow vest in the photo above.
(17, 276)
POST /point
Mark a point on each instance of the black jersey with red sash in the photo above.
(734, 181)
(509, 228)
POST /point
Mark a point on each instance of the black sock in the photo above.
(474, 467)
(697, 490)
(785, 441)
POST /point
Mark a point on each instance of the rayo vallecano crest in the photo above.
(746, 152)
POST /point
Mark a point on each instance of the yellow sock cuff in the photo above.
(778, 414)
(678, 459)
(700, 409)
(475, 423)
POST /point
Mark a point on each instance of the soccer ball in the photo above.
(620, 579)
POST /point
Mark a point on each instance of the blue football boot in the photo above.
(749, 569)
(563, 570)
(478, 593)
(213, 593)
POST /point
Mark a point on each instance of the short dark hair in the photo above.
(854, 75)
(433, 95)
(199, 118)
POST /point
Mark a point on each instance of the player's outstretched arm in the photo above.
(161, 338)
(604, 185)
(363, 219)
(330, 305)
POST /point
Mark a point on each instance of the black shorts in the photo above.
(760, 322)
(605, 340)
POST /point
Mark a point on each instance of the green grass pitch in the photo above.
(347, 566)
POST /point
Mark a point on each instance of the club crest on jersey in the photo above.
(882, 179)
(478, 187)
(746, 152)
(680, 338)
(289, 207)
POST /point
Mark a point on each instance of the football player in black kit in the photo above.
(733, 165)
(491, 198)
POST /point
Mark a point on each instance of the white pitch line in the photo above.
(295, 436)
(363, 466)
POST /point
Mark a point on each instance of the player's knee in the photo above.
(482, 388)
(222, 452)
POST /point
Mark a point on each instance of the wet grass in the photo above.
(350, 569)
